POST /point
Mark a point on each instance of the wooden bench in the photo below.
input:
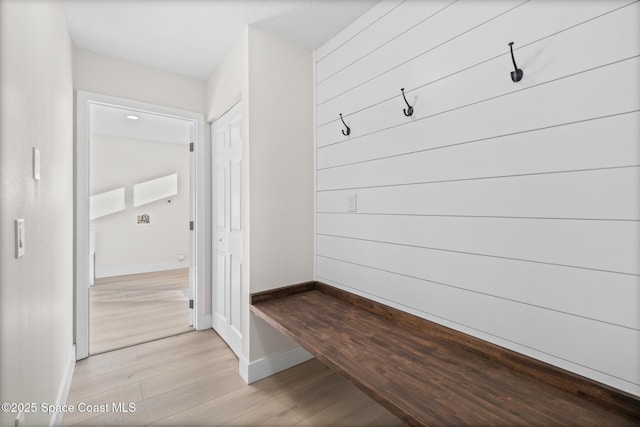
(428, 374)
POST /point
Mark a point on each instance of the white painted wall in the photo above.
(123, 246)
(274, 80)
(36, 291)
(230, 82)
(111, 76)
(281, 178)
(510, 211)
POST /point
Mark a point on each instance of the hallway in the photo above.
(472, 164)
(192, 379)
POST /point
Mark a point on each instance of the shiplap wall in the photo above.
(509, 211)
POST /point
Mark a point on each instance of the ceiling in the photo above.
(192, 37)
(138, 125)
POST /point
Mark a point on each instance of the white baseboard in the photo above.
(138, 269)
(63, 391)
(272, 364)
(203, 323)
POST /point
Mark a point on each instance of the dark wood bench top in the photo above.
(427, 374)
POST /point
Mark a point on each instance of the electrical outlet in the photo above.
(352, 203)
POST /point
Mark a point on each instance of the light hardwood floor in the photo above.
(128, 310)
(192, 380)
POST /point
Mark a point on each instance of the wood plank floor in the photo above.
(192, 380)
(137, 308)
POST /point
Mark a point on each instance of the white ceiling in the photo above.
(113, 121)
(192, 37)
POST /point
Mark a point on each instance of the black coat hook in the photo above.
(516, 75)
(345, 132)
(409, 110)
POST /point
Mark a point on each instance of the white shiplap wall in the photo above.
(510, 211)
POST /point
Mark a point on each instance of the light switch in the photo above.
(36, 164)
(19, 237)
(352, 203)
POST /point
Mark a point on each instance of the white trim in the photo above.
(83, 102)
(137, 269)
(82, 246)
(205, 323)
(272, 364)
(63, 391)
(200, 227)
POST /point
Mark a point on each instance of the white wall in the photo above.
(274, 79)
(509, 211)
(110, 76)
(281, 182)
(123, 245)
(230, 82)
(36, 291)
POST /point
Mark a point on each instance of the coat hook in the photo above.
(345, 132)
(516, 75)
(407, 111)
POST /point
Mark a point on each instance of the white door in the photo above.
(227, 227)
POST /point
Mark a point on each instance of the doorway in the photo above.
(158, 244)
(139, 208)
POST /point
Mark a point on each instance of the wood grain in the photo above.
(192, 380)
(132, 309)
(282, 292)
(430, 375)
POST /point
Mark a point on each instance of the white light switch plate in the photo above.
(36, 164)
(19, 237)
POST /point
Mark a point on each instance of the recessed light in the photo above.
(132, 117)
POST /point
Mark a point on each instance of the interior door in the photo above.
(227, 227)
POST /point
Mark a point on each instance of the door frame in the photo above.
(84, 100)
